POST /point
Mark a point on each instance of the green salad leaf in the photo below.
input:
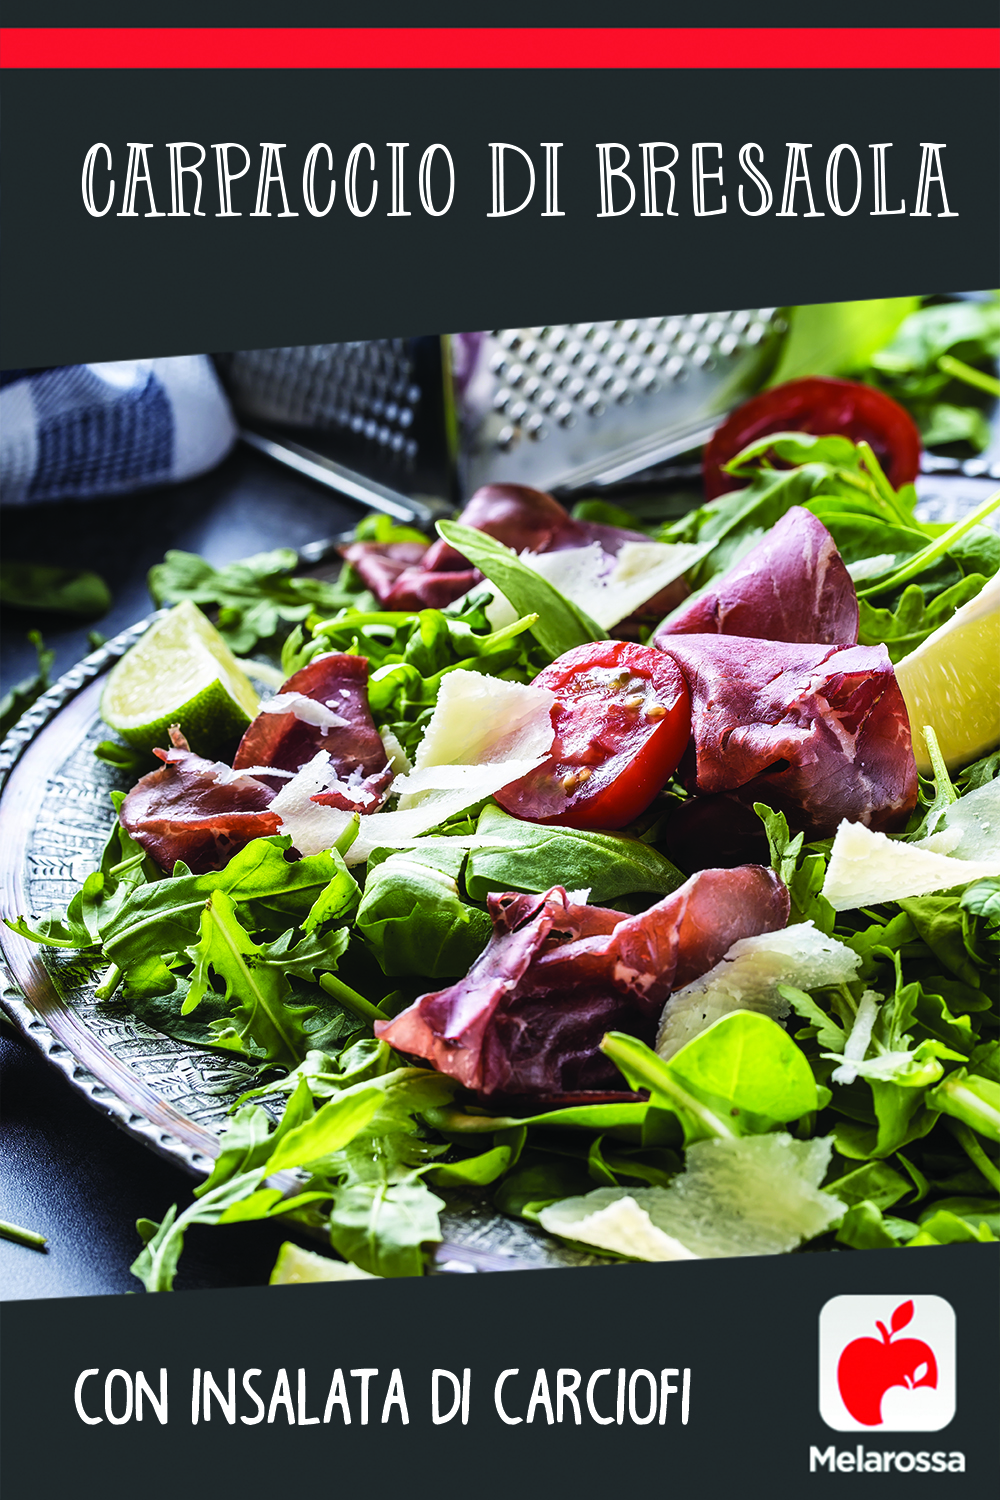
(561, 624)
(530, 857)
(18, 699)
(413, 917)
(40, 587)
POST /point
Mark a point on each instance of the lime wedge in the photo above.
(294, 1266)
(952, 683)
(180, 672)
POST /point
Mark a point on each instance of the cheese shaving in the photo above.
(867, 868)
(306, 709)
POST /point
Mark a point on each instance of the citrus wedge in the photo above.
(180, 672)
(952, 683)
(295, 1265)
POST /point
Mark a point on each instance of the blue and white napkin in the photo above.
(83, 430)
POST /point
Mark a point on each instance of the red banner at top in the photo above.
(500, 47)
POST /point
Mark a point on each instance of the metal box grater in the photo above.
(594, 403)
(555, 407)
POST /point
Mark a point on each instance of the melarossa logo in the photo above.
(887, 1363)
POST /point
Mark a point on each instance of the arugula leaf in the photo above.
(531, 857)
(561, 624)
(803, 874)
(254, 596)
(383, 1213)
(263, 1015)
(165, 917)
(19, 699)
(248, 1153)
(901, 631)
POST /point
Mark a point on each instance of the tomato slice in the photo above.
(823, 407)
(622, 720)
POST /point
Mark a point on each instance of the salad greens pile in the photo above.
(910, 576)
(287, 963)
(936, 358)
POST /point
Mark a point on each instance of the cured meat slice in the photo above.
(793, 586)
(528, 1019)
(323, 707)
(818, 732)
(522, 518)
(196, 810)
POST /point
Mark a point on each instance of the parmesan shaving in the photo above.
(609, 594)
(306, 709)
(750, 1195)
(748, 977)
(311, 827)
(479, 720)
(867, 868)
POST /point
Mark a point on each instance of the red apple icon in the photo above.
(868, 1367)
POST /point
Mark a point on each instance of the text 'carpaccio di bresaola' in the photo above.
(648, 179)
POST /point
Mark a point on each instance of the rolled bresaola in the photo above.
(819, 732)
(196, 810)
(792, 586)
(528, 1018)
(402, 576)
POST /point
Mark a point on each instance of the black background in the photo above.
(80, 288)
(513, 13)
(747, 1329)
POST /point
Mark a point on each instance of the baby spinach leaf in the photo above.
(865, 1227)
(972, 1099)
(561, 624)
(473, 1171)
(742, 1075)
(876, 1182)
(530, 857)
(66, 591)
(255, 596)
(413, 918)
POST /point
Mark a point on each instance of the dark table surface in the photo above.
(68, 1172)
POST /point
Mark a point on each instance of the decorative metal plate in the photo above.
(55, 813)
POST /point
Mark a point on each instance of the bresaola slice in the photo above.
(341, 724)
(528, 1019)
(792, 586)
(524, 519)
(817, 731)
(196, 810)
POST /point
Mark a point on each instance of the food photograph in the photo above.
(514, 799)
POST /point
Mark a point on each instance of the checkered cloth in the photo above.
(82, 430)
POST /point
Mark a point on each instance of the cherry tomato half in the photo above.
(822, 407)
(622, 720)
